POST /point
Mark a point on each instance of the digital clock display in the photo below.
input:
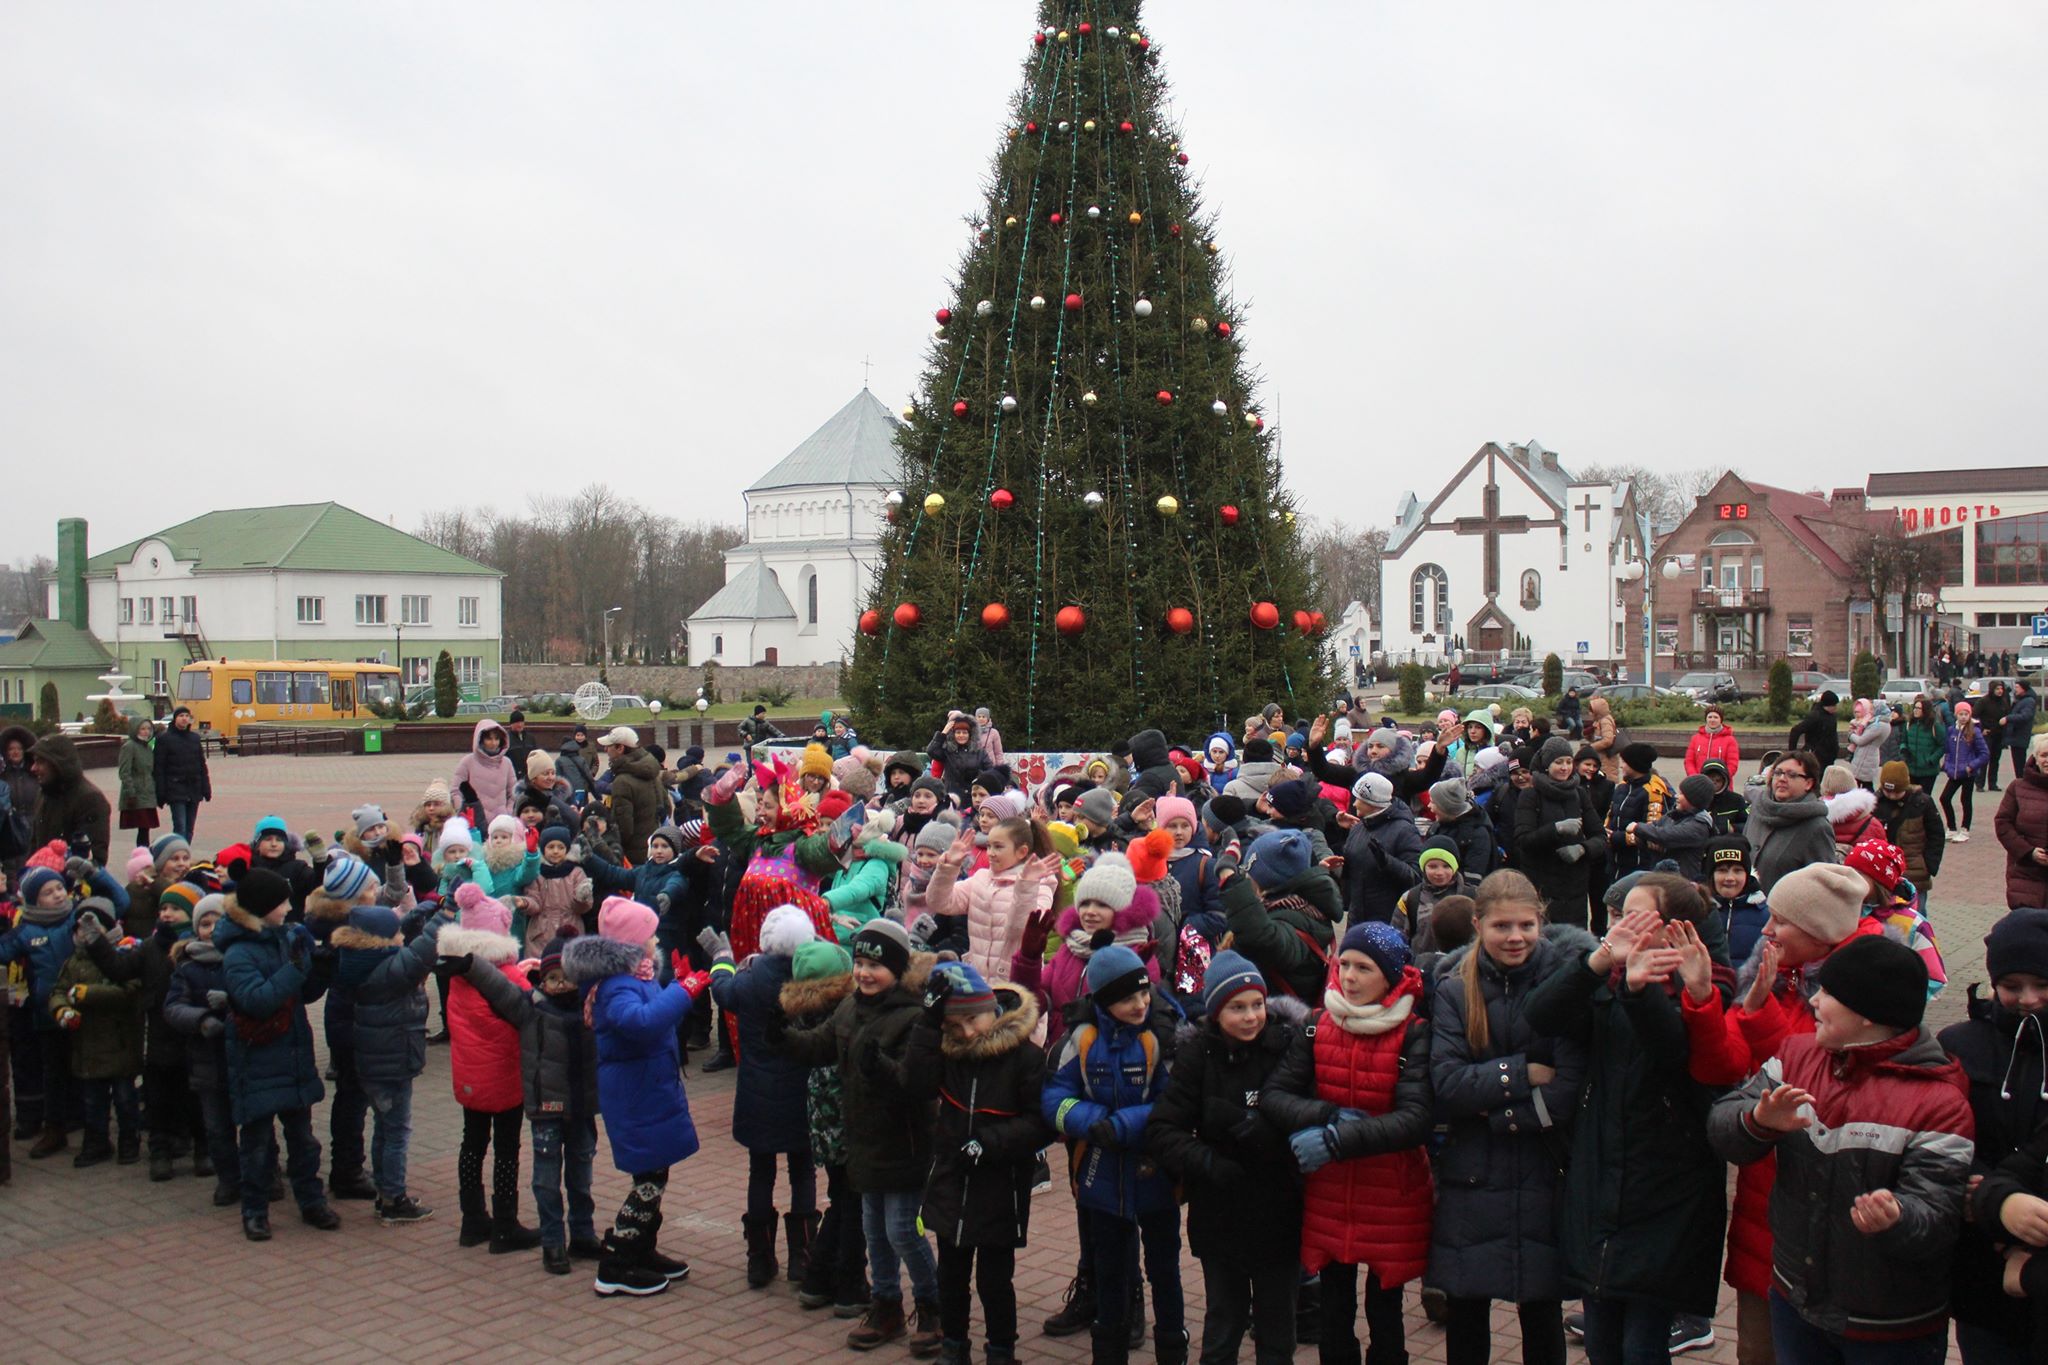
(1734, 511)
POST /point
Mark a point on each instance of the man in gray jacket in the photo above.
(1788, 821)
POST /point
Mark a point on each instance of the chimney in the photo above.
(71, 572)
(1549, 459)
(1846, 500)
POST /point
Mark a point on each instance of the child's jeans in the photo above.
(1157, 1234)
(302, 1161)
(99, 1095)
(994, 1276)
(889, 1218)
(220, 1134)
(1799, 1342)
(563, 1151)
(1237, 1297)
(173, 1113)
(390, 1135)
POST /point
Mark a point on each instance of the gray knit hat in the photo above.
(1450, 798)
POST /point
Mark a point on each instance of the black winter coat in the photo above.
(382, 979)
(988, 1091)
(1381, 861)
(180, 763)
(1472, 832)
(1500, 1164)
(1816, 733)
(149, 962)
(1242, 1184)
(557, 1050)
(1152, 770)
(768, 1097)
(2002, 1054)
(1537, 843)
(1645, 1197)
(196, 970)
(888, 1136)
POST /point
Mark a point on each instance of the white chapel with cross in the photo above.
(1512, 552)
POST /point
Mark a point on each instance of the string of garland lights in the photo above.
(1140, 576)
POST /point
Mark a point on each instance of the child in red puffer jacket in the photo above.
(483, 1060)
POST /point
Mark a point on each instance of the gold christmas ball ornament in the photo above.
(1089, 126)
(1088, 399)
(909, 413)
(1251, 419)
(1064, 36)
(1136, 217)
(934, 503)
(1198, 325)
(1010, 222)
(1211, 248)
(1169, 506)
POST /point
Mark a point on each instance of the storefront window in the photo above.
(2010, 551)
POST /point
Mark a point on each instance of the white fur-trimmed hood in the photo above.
(456, 941)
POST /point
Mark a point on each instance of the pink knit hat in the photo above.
(480, 911)
(624, 920)
(1168, 808)
(139, 862)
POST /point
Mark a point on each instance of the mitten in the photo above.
(88, 930)
(1102, 1133)
(533, 841)
(1313, 1148)
(453, 966)
(76, 995)
(217, 1000)
(1571, 853)
(69, 1018)
(79, 870)
(210, 1027)
(728, 784)
(714, 943)
(923, 927)
(938, 990)
(1569, 828)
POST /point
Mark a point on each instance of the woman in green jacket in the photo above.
(138, 782)
(1924, 742)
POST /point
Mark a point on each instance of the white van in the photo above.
(2033, 654)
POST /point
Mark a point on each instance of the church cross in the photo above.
(1586, 505)
(867, 372)
(1492, 526)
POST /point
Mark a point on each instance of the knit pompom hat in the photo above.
(1698, 791)
(854, 777)
(816, 761)
(1383, 943)
(818, 959)
(1108, 881)
(1230, 974)
(624, 920)
(507, 825)
(785, 929)
(1879, 978)
(34, 880)
(1008, 805)
(1115, 973)
(484, 912)
(971, 992)
(139, 862)
(937, 834)
(368, 818)
(437, 791)
(1880, 860)
(2018, 943)
(347, 875)
(1148, 856)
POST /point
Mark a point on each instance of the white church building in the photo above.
(1513, 553)
(793, 589)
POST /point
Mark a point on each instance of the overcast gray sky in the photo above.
(416, 256)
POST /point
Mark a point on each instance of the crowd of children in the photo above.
(1471, 1009)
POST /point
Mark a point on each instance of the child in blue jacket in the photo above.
(1110, 1071)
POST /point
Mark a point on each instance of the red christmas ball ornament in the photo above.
(1002, 499)
(1038, 40)
(1127, 127)
(1181, 157)
(1223, 330)
(943, 316)
(1180, 620)
(1264, 615)
(1227, 514)
(1165, 397)
(1073, 303)
(995, 616)
(871, 622)
(1173, 229)
(1316, 623)
(1070, 621)
(908, 617)
(1303, 622)
(1258, 423)
(1056, 218)
(1144, 44)
(960, 408)
(1031, 127)
(1086, 29)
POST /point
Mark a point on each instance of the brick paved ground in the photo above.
(101, 1264)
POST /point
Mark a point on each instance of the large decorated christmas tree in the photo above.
(1091, 536)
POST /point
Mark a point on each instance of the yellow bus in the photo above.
(226, 694)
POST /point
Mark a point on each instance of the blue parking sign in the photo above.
(2041, 625)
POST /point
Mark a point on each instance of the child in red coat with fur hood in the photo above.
(483, 1061)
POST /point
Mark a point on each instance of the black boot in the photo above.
(619, 1269)
(1078, 1313)
(1137, 1314)
(668, 1267)
(476, 1224)
(351, 1185)
(800, 1232)
(93, 1148)
(1170, 1348)
(508, 1234)
(759, 1229)
(953, 1352)
(815, 1289)
(160, 1166)
(1110, 1346)
(128, 1147)
(722, 1060)
(202, 1163)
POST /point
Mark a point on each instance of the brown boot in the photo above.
(50, 1143)
(883, 1323)
(925, 1337)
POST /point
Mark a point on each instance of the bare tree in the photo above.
(1664, 498)
(22, 593)
(1347, 563)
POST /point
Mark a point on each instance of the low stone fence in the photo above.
(675, 680)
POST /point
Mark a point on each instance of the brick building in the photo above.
(1756, 572)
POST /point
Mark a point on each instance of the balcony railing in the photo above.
(1731, 599)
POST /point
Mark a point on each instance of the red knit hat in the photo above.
(1882, 862)
(1148, 856)
(833, 804)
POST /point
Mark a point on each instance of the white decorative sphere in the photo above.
(1037, 302)
(654, 707)
(1094, 211)
(1088, 399)
(895, 498)
(1091, 499)
(1066, 127)
(1143, 308)
(984, 308)
(1114, 32)
(1220, 408)
(703, 705)
(1009, 402)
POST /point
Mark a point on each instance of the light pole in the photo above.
(604, 660)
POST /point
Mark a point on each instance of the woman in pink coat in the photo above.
(487, 774)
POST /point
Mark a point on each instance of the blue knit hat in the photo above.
(557, 834)
(1230, 973)
(971, 992)
(1291, 798)
(378, 921)
(1115, 973)
(270, 824)
(1277, 858)
(346, 877)
(34, 880)
(1383, 943)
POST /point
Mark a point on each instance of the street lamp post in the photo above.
(604, 660)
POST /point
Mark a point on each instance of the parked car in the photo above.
(1807, 681)
(1976, 689)
(1706, 687)
(2033, 655)
(1492, 671)
(1499, 692)
(1572, 677)
(1617, 693)
(1901, 691)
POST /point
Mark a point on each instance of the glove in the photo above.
(88, 930)
(453, 966)
(923, 927)
(696, 983)
(1571, 853)
(1037, 930)
(938, 990)
(1102, 1133)
(970, 1151)
(1220, 1170)
(76, 995)
(1540, 1052)
(1348, 1115)
(69, 1018)
(1313, 1148)
(77, 870)
(714, 943)
(217, 1001)
(1569, 828)
(210, 1027)
(299, 945)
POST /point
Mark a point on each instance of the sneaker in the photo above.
(1961, 836)
(321, 1216)
(1041, 1175)
(404, 1209)
(1575, 1324)
(1689, 1333)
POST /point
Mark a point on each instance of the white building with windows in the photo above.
(1512, 551)
(311, 581)
(793, 589)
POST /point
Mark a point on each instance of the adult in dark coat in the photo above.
(1816, 732)
(1382, 853)
(2022, 828)
(1558, 835)
(1152, 770)
(1645, 1197)
(1499, 1168)
(637, 803)
(518, 744)
(2020, 711)
(182, 781)
(68, 805)
(956, 748)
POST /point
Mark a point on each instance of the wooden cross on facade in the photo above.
(1493, 525)
(1588, 506)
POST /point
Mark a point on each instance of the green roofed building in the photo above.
(308, 581)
